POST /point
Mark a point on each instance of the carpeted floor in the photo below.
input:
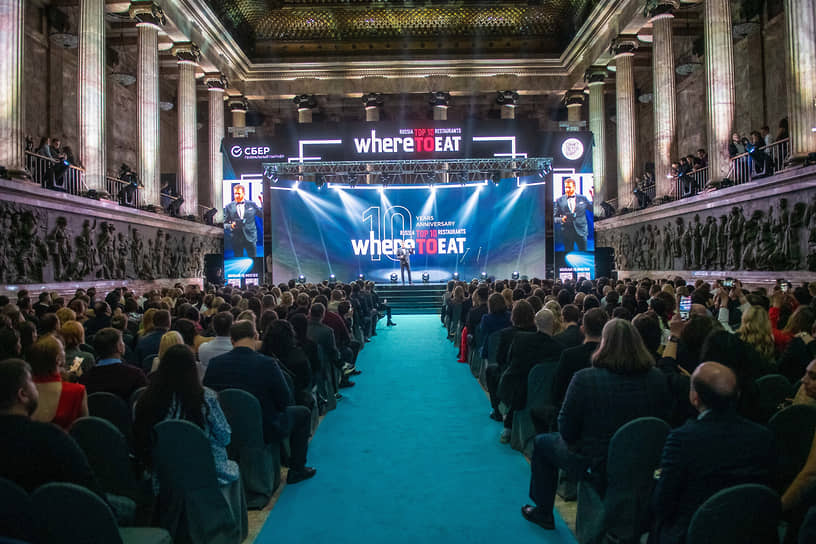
(410, 456)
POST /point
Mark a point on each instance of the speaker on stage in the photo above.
(214, 268)
(604, 262)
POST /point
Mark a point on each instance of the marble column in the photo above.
(187, 178)
(574, 100)
(149, 19)
(216, 86)
(624, 50)
(665, 109)
(12, 103)
(439, 102)
(91, 92)
(238, 107)
(719, 66)
(801, 21)
(595, 78)
(372, 102)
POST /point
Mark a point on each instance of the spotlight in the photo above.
(209, 216)
(393, 277)
(483, 275)
(301, 279)
(544, 171)
(495, 177)
(515, 275)
(426, 277)
(319, 180)
(332, 278)
(456, 276)
(360, 276)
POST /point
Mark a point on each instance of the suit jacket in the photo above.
(527, 349)
(572, 360)
(570, 337)
(795, 358)
(578, 218)
(702, 457)
(323, 336)
(148, 345)
(244, 227)
(244, 368)
(599, 402)
(506, 339)
(474, 317)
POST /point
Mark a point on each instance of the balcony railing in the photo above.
(55, 175)
(690, 183)
(764, 162)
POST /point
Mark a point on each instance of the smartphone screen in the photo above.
(685, 307)
(784, 287)
(728, 282)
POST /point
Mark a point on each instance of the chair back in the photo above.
(243, 412)
(182, 457)
(134, 398)
(539, 391)
(743, 514)
(795, 387)
(794, 428)
(108, 453)
(16, 512)
(456, 316)
(634, 454)
(492, 347)
(112, 408)
(70, 514)
(773, 389)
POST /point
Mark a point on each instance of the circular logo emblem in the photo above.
(572, 149)
(237, 151)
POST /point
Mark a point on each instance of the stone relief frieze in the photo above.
(759, 235)
(38, 245)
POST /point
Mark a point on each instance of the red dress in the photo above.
(69, 408)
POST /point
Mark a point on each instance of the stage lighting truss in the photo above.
(419, 172)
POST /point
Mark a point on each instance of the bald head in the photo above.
(544, 320)
(713, 387)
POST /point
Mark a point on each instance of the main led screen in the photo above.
(466, 229)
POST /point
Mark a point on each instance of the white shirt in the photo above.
(215, 347)
(571, 202)
(240, 207)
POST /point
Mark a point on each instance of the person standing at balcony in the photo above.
(44, 148)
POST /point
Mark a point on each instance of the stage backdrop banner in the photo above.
(573, 225)
(496, 229)
(243, 232)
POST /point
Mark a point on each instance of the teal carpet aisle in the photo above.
(410, 456)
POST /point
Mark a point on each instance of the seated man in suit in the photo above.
(110, 373)
(323, 336)
(571, 336)
(244, 368)
(578, 357)
(718, 450)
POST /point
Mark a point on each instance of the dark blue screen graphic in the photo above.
(345, 231)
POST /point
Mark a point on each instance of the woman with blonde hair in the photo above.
(77, 360)
(755, 331)
(66, 314)
(558, 323)
(146, 324)
(168, 339)
(507, 293)
(60, 402)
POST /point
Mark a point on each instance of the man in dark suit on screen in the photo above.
(571, 211)
(239, 220)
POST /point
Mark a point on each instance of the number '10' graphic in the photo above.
(388, 226)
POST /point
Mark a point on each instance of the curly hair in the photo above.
(756, 331)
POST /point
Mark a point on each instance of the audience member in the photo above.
(579, 357)
(262, 376)
(110, 373)
(60, 402)
(571, 335)
(718, 450)
(221, 323)
(148, 345)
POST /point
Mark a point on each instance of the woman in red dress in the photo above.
(60, 402)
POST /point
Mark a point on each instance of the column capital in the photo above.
(147, 13)
(186, 52)
(624, 46)
(507, 98)
(216, 82)
(439, 99)
(574, 97)
(596, 75)
(372, 100)
(305, 102)
(238, 104)
(660, 9)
